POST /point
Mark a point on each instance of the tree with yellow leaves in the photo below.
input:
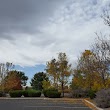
(52, 70)
(64, 70)
(59, 70)
(88, 73)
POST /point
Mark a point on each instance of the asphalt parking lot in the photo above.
(41, 104)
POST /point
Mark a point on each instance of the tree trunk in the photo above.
(63, 88)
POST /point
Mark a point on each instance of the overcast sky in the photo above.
(34, 31)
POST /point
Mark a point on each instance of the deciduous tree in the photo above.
(12, 82)
(22, 76)
(4, 69)
(52, 70)
(59, 70)
(64, 70)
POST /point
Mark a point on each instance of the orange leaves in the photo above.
(12, 82)
(87, 53)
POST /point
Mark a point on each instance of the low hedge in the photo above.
(53, 89)
(16, 93)
(2, 94)
(25, 93)
(45, 92)
(53, 94)
(34, 93)
(50, 89)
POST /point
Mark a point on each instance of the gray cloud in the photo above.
(33, 31)
(25, 16)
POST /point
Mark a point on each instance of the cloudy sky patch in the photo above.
(34, 31)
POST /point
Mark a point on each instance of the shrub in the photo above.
(53, 89)
(31, 93)
(53, 94)
(2, 94)
(91, 94)
(17, 93)
(103, 98)
(34, 93)
(45, 92)
(50, 89)
(25, 93)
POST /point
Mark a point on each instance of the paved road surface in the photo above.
(41, 104)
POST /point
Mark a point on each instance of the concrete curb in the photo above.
(23, 98)
(44, 98)
(91, 105)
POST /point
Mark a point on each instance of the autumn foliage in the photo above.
(12, 82)
(88, 73)
(59, 71)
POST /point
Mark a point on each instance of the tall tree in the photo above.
(91, 72)
(85, 70)
(64, 70)
(87, 66)
(59, 70)
(36, 81)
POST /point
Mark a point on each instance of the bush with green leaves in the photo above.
(34, 93)
(91, 94)
(25, 93)
(103, 98)
(53, 94)
(45, 92)
(2, 94)
(53, 89)
(16, 93)
(50, 89)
